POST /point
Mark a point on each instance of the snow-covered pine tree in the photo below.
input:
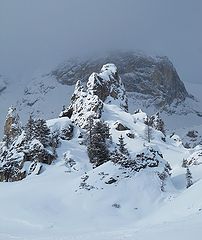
(89, 128)
(163, 176)
(54, 141)
(188, 177)
(184, 163)
(38, 139)
(42, 132)
(156, 122)
(121, 155)
(37, 152)
(148, 129)
(30, 129)
(98, 133)
(69, 162)
(115, 156)
(119, 158)
(161, 126)
(121, 146)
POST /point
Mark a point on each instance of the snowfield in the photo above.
(52, 206)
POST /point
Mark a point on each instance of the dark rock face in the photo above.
(67, 133)
(192, 139)
(121, 127)
(152, 76)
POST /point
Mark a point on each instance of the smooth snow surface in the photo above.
(52, 206)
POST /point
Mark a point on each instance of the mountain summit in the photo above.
(103, 87)
(153, 79)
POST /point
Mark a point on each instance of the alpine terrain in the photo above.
(102, 168)
(151, 83)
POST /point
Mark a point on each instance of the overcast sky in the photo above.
(37, 34)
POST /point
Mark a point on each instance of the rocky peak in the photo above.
(153, 79)
(104, 87)
(12, 126)
(107, 85)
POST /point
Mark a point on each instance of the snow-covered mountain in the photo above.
(97, 171)
(151, 78)
(152, 84)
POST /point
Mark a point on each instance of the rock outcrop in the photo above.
(103, 87)
(153, 77)
(12, 127)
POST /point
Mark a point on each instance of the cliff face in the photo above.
(153, 77)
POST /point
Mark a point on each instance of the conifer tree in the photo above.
(122, 145)
(42, 132)
(189, 177)
(148, 129)
(159, 123)
(36, 150)
(98, 133)
(29, 129)
(120, 158)
(184, 163)
(89, 127)
(163, 176)
(156, 122)
(121, 155)
(54, 141)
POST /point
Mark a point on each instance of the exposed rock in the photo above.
(12, 171)
(67, 133)
(130, 135)
(12, 127)
(154, 77)
(195, 158)
(121, 127)
(111, 180)
(192, 139)
(35, 168)
(192, 134)
(105, 87)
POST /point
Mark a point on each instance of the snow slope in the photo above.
(82, 202)
(78, 203)
(41, 96)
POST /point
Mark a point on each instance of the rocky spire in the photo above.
(107, 85)
(102, 88)
(12, 127)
